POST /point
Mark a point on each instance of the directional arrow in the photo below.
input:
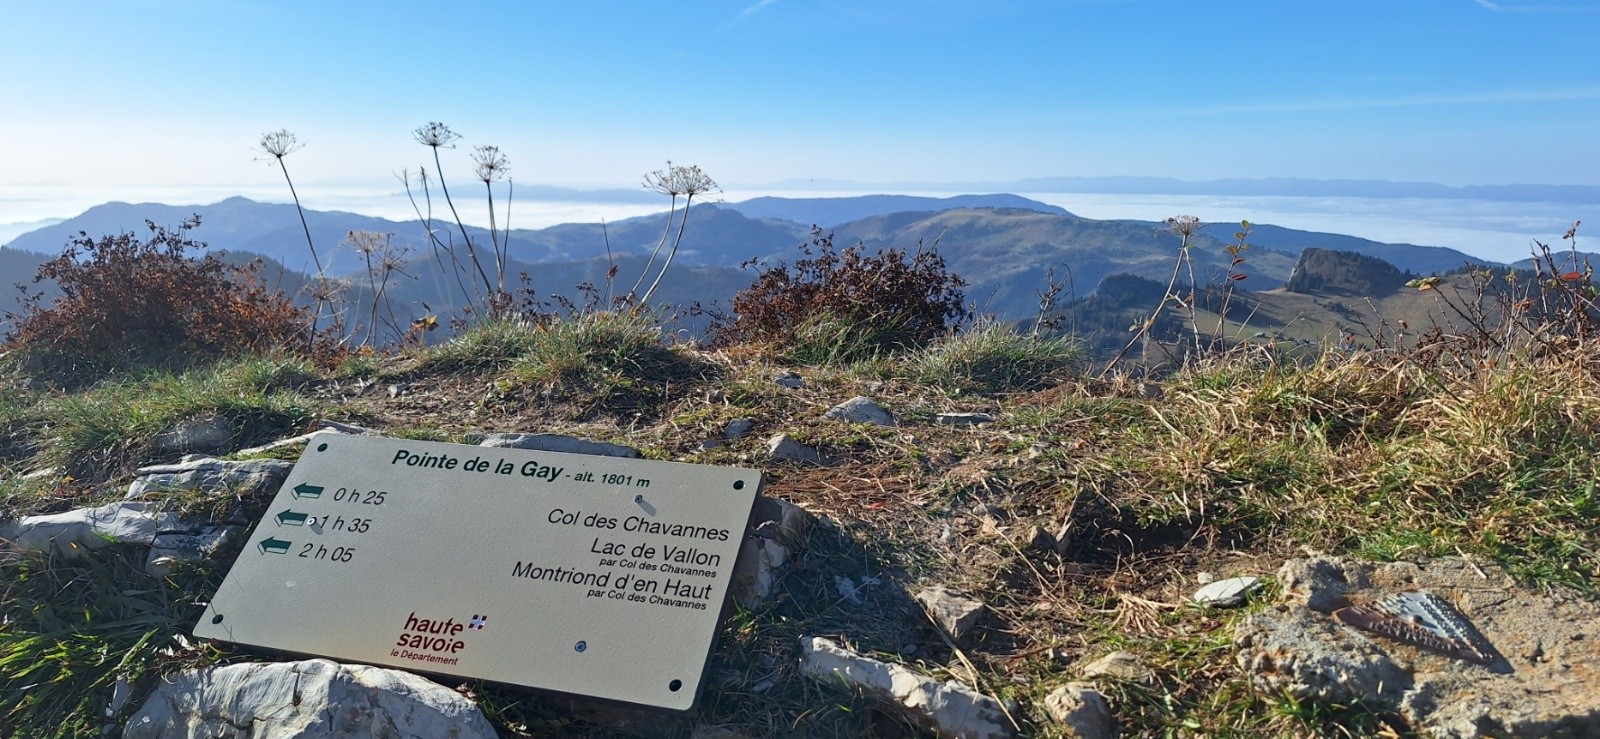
(274, 546)
(304, 490)
(290, 518)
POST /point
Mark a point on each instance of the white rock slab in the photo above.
(84, 529)
(949, 708)
(313, 699)
(556, 443)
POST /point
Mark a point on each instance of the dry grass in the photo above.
(1226, 468)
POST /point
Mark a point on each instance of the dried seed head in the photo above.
(435, 134)
(678, 180)
(280, 143)
(492, 165)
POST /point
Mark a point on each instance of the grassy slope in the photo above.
(1226, 468)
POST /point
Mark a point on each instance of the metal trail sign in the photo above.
(590, 575)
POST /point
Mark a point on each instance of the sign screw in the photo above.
(580, 646)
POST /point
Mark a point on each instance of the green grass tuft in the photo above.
(992, 357)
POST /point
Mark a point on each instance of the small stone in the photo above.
(954, 613)
(40, 474)
(1038, 540)
(1204, 578)
(777, 531)
(1227, 593)
(1063, 537)
(789, 380)
(555, 443)
(710, 444)
(738, 428)
(860, 409)
(1119, 665)
(783, 448)
(1081, 711)
(193, 544)
(963, 419)
(948, 708)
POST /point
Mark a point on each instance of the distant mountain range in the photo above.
(1275, 186)
(1001, 244)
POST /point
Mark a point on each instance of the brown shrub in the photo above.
(889, 300)
(127, 303)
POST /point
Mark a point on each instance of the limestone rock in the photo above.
(195, 544)
(1310, 656)
(1227, 593)
(950, 708)
(312, 699)
(954, 613)
(84, 529)
(789, 380)
(783, 448)
(963, 419)
(1120, 665)
(1546, 646)
(738, 428)
(1081, 711)
(189, 436)
(777, 531)
(250, 478)
(860, 409)
(323, 427)
(555, 443)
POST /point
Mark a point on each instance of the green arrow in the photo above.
(290, 518)
(274, 546)
(304, 490)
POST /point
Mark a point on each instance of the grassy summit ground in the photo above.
(1138, 486)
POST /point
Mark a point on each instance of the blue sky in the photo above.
(150, 96)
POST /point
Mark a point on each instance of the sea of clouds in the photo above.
(1498, 231)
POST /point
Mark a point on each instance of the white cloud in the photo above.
(1506, 8)
(752, 9)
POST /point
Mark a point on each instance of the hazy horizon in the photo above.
(110, 94)
(1500, 231)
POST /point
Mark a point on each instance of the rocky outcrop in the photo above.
(948, 708)
(313, 699)
(1541, 679)
(249, 478)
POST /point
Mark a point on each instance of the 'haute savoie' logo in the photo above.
(434, 641)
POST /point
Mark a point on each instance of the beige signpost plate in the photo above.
(590, 575)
